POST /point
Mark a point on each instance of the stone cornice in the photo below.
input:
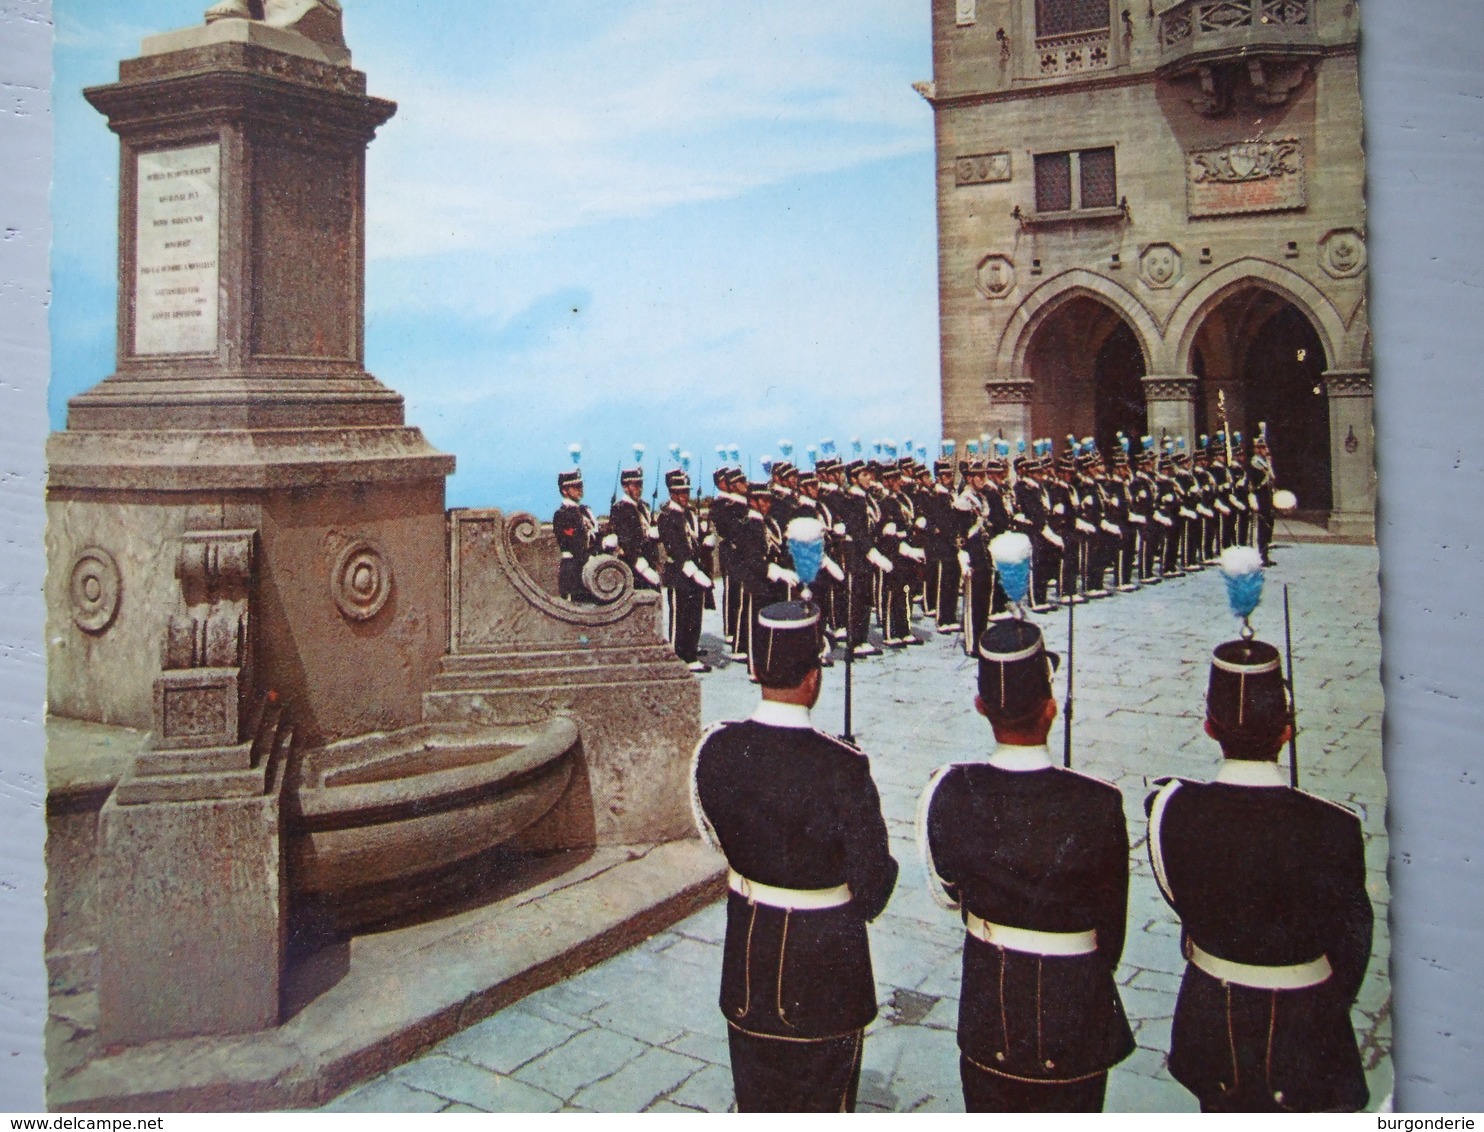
(1348, 383)
(1169, 387)
(1009, 392)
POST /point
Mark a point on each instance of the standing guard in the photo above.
(1261, 482)
(1269, 883)
(685, 580)
(1144, 512)
(1035, 858)
(1118, 519)
(729, 510)
(1170, 515)
(576, 531)
(761, 565)
(635, 538)
(898, 528)
(974, 513)
(860, 516)
(944, 540)
(798, 817)
(1065, 504)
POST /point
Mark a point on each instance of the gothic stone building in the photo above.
(1150, 207)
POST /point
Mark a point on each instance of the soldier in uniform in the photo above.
(1118, 514)
(827, 586)
(635, 537)
(685, 580)
(1208, 544)
(1261, 481)
(1144, 513)
(576, 531)
(730, 509)
(975, 515)
(944, 540)
(860, 515)
(762, 565)
(1170, 513)
(897, 531)
(798, 817)
(1036, 858)
(1269, 883)
(1065, 504)
(830, 586)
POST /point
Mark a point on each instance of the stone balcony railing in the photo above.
(1074, 53)
(1194, 33)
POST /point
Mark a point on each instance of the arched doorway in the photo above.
(1261, 354)
(1086, 367)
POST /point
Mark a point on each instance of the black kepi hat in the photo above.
(568, 479)
(787, 645)
(1014, 670)
(677, 480)
(1246, 700)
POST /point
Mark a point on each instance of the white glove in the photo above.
(1206, 511)
(1163, 520)
(1238, 504)
(1085, 527)
(917, 554)
(1111, 528)
(643, 569)
(832, 568)
(963, 561)
(1059, 509)
(890, 530)
(1135, 517)
(701, 579)
(777, 573)
(1019, 518)
(610, 542)
(709, 540)
(1252, 500)
(839, 528)
(1052, 537)
(1186, 513)
(921, 523)
(1223, 508)
(879, 560)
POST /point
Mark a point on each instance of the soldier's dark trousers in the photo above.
(1127, 554)
(990, 1092)
(794, 1074)
(944, 578)
(687, 600)
(1045, 565)
(1151, 550)
(1071, 562)
(979, 588)
(733, 614)
(895, 605)
(858, 598)
(569, 582)
(1264, 532)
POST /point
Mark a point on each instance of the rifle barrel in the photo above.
(1066, 749)
(1293, 766)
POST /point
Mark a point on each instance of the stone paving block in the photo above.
(709, 1045)
(1134, 1092)
(664, 1105)
(1156, 980)
(565, 1002)
(386, 1095)
(943, 1015)
(946, 978)
(1153, 1033)
(662, 1009)
(1148, 1062)
(1153, 952)
(709, 1089)
(507, 1040)
(472, 1085)
(586, 1058)
(633, 1088)
(1141, 1003)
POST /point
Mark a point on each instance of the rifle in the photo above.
(1226, 428)
(847, 549)
(1066, 733)
(617, 478)
(1293, 769)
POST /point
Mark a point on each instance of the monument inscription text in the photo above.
(175, 250)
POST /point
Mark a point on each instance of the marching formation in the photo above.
(1268, 883)
(902, 537)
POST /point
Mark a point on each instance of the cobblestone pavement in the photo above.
(643, 1032)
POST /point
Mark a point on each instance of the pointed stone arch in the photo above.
(1051, 296)
(1186, 321)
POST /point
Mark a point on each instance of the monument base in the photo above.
(378, 1000)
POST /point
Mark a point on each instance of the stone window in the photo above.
(1068, 17)
(1080, 179)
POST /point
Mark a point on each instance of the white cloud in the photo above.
(665, 106)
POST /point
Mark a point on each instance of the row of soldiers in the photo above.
(1269, 884)
(900, 535)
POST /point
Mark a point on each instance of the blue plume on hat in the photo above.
(1238, 436)
(1180, 443)
(806, 545)
(1011, 552)
(767, 463)
(674, 451)
(907, 444)
(948, 448)
(575, 451)
(736, 454)
(1241, 569)
(638, 453)
(973, 447)
(827, 446)
(787, 448)
(813, 454)
(891, 448)
(855, 445)
(1020, 445)
(922, 451)
(1147, 442)
(1123, 443)
(1002, 448)
(684, 459)
(721, 452)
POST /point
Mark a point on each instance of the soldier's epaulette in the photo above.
(1090, 777)
(1344, 809)
(853, 748)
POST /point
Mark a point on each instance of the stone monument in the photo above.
(257, 701)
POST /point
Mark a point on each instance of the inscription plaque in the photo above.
(175, 250)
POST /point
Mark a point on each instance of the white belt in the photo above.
(566, 554)
(1293, 977)
(1034, 942)
(795, 899)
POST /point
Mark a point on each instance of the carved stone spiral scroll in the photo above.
(608, 578)
(361, 581)
(94, 587)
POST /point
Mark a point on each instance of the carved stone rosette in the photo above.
(94, 588)
(361, 581)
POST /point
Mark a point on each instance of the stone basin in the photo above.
(371, 814)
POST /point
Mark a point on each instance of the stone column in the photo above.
(1010, 409)
(1352, 452)
(1170, 404)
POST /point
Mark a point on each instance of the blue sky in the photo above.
(604, 222)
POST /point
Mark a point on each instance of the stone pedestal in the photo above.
(1352, 452)
(1170, 406)
(1010, 409)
